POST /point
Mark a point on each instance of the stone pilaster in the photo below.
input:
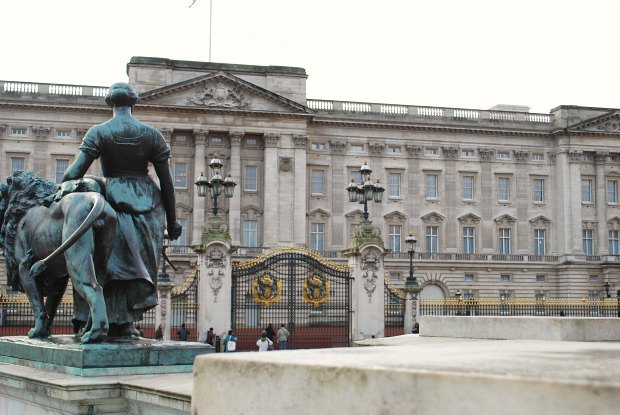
(271, 191)
(164, 307)
(600, 203)
(200, 166)
(299, 171)
(234, 214)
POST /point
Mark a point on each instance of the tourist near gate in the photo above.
(293, 286)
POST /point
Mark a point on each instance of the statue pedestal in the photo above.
(119, 357)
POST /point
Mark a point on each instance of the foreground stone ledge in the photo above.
(537, 328)
(417, 376)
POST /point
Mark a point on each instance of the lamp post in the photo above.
(411, 244)
(365, 191)
(216, 183)
(163, 275)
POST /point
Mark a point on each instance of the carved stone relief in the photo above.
(286, 164)
(220, 96)
(413, 151)
(371, 264)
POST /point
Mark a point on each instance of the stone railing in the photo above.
(428, 112)
(8, 87)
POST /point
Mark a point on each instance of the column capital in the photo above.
(301, 140)
(236, 137)
(521, 155)
(337, 146)
(200, 136)
(486, 153)
(272, 139)
(414, 151)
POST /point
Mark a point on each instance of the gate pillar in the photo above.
(214, 288)
(366, 254)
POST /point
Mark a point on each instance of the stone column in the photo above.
(214, 288)
(234, 214)
(488, 198)
(200, 166)
(452, 199)
(271, 190)
(523, 200)
(367, 267)
(600, 203)
(299, 208)
(164, 307)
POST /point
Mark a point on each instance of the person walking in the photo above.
(230, 342)
(264, 344)
(183, 333)
(282, 336)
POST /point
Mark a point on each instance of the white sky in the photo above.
(447, 53)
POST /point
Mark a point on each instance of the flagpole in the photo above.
(210, 25)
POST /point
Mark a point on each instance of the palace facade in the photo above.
(503, 202)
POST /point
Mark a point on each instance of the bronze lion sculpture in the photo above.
(50, 235)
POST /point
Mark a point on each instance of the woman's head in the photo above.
(121, 94)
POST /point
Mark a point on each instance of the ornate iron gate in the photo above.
(394, 308)
(296, 287)
(184, 301)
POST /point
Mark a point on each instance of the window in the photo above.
(612, 192)
(614, 238)
(394, 276)
(431, 151)
(538, 190)
(251, 141)
(468, 187)
(394, 237)
(394, 185)
(216, 140)
(357, 176)
(356, 148)
(504, 241)
(61, 166)
(18, 131)
(469, 277)
(539, 295)
(503, 189)
(250, 178)
(540, 278)
(250, 233)
(180, 138)
(538, 157)
(539, 242)
(394, 150)
(317, 232)
(318, 146)
(503, 155)
(181, 240)
(612, 159)
(469, 295)
(180, 175)
(63, 133)
(431, 186)
(432, 239)
(585, 157)
(504, 278)
(588, 242)
(469, 240)
(18, 164)
(318, 182)
(586, 191)
(593, 278)
(593, 295)
(467, 153)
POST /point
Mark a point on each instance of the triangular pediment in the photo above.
(354, 215)
(505, 219)
(540, 220)
(606, 123)
(395, 216)
(469, 218)
(251, 212)
(221, 91)
(318, 214)
(185, 209)
(432, 217)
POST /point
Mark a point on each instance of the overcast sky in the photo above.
(448, 53)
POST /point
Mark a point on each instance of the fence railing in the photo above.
(609, 307)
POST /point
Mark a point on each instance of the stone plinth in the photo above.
(416, 375)
(120, 357)
(536, 328)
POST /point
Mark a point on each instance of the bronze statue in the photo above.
(124, 248)
(126, 146)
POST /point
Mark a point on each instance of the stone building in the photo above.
(503, 202)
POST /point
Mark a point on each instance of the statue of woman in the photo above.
(126, 146)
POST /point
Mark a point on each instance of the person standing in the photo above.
(264, 344)
(183, 333)
(159, 333)
(282, 336)
(230, 342)
(271, 333)
(210, 336)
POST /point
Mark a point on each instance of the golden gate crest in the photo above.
(266, 289)
(316, 290)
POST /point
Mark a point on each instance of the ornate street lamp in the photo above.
(216, 184)
(365, 191)
(411, 243)
(163, 275)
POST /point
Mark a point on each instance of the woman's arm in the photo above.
(167, 192)
(78, 168)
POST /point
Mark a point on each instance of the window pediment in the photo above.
(432, 218)
(469, 219)
(540, 220)
(505, 220)
(395, 216)
(318, 214)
